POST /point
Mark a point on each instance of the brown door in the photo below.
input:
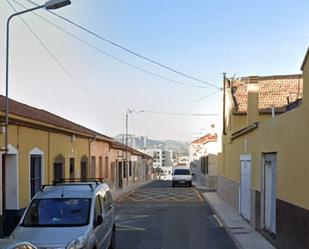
(83, 170)
(72, 168)
(58, 171)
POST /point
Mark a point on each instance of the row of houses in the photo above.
(263, 169)
(43, 147)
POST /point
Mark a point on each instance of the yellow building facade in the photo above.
(263, 168)
(42, 148)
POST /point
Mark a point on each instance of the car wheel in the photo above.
(113, 239)
(173, 185)
(190, 184)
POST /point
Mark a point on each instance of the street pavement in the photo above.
(158, 216)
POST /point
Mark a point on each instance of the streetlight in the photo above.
(49, 5)
(129, 111)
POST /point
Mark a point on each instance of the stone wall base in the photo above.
(228, 191)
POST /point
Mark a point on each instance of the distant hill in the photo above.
(178, 147)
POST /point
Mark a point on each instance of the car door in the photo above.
(108, 218)
(98, 229)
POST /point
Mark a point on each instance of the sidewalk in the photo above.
(118, 193)
(244, 235)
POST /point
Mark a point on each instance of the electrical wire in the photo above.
(60, 64)
(211, 94)
(112, 56)
(129, 50)
(182, 114)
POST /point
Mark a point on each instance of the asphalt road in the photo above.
(158, 216)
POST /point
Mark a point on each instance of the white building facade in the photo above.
(203, 160)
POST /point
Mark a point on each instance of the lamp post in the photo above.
(129, 111)
(49, 5)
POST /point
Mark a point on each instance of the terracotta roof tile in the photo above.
(205, 139)
(273, 92)
(33, 113)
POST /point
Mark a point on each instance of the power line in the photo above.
(211, 94)
(112, 56)
(182, 114)
(129, 50)
(50, 52)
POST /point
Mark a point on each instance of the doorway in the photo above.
(119, 174)
(245, 184)
(270, 174)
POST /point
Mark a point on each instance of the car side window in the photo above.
(110, 198)
(105, 203)
(97, 208)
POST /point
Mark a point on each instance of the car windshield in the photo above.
(182, 172)
(58, 212)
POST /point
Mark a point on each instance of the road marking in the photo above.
(217, 219)
(131, 216)
(198, 194)
(129, 228)
(162, 195)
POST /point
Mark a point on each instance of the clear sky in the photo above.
(201, 38)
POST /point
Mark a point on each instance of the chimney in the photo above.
(253, 100)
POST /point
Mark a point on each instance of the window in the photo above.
(92, 173)
(97, 208)
(130, 168)
(58, 212)
(72, 168)
(35, 174)
(83, 168)
(182, 172)
(204, 165)
(106, 167)
(110, 198)
(125, 170)
(100, 167)
(105, 203)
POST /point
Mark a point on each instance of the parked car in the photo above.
(182, 176)
(70, 215)
(15, 244)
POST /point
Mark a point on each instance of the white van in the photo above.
(69, 215)
(182, 176)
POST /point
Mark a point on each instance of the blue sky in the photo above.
(200, 38)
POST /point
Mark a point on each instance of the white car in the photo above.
(70, 215)
(182, 176)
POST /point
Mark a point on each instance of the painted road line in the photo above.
(198, 194)
(131, 216)
(129, 228)
(217, 219)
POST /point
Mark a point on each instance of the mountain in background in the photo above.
(179, 148)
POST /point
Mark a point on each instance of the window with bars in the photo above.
(35, 174)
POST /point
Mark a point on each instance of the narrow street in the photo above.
(158, 216)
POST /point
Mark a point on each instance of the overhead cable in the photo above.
(182, 114)
(60, 64)
(129, 50)
(112, 56)
(211, 94)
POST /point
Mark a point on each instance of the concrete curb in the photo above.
(242, 233)
(225, 226)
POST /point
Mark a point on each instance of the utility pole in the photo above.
(224, 86)
(129, 111)
(127, 129)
